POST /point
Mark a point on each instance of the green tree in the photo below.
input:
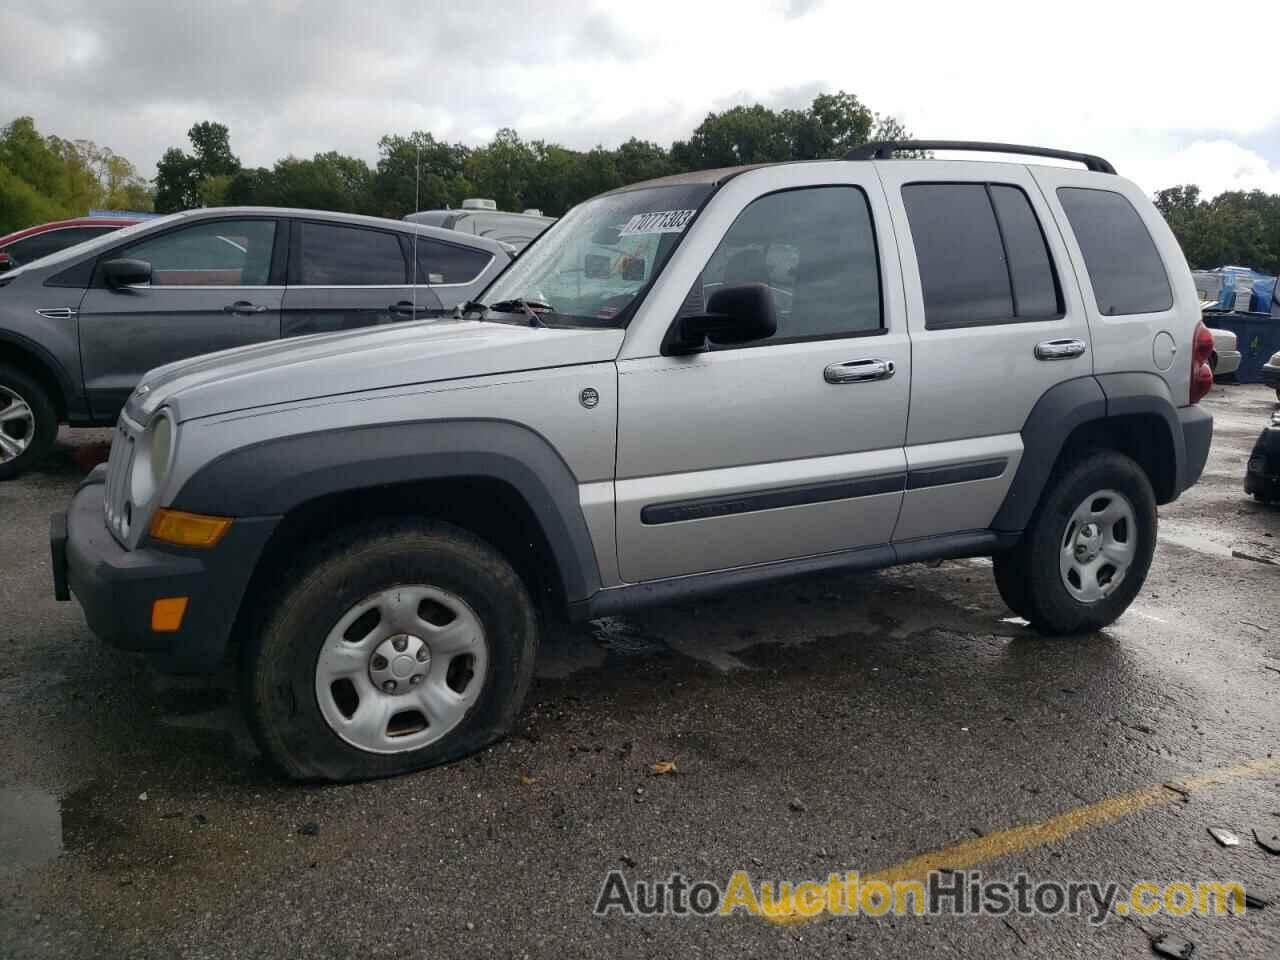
(180, 176)
(418, 172)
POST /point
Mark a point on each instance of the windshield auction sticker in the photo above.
(660, 221)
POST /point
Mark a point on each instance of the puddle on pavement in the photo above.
(30, 828)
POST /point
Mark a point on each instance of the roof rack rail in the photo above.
(884, 149)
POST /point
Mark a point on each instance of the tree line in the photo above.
(47, 178)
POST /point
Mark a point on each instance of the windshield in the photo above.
(76, 251)
(593, 262)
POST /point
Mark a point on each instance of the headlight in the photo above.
(152, 460)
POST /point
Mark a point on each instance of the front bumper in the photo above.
(117, 587)
(1271, 375)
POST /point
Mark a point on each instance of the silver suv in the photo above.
(686, 385)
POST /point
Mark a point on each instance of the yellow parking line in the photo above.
(972, 853)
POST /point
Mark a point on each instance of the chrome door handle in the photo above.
(1059, 349)
(858, 371)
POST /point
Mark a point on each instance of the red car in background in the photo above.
(36, 242)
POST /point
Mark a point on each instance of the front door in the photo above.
(785, 447)
(210, 290)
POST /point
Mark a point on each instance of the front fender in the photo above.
(272, 477)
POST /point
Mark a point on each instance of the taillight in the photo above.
(1201, 373)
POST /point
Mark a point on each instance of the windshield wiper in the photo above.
(526, 306)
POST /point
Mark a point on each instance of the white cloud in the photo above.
(1124, 80)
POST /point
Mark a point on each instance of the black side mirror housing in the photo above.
(126, 273)
(737, 314)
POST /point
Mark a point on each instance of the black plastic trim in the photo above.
(956, 473)
(50, 362)
(1060, 409)
(885, 149)
(704, 508)
(276, 476)
(969, 543)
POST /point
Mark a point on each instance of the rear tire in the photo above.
(327, 694)
(28, 422)
(1087, 550)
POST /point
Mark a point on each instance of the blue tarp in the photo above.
(1264, 289)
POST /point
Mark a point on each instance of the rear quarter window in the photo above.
(1124, 267)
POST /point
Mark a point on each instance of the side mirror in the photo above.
(736, 314)
(126, 273)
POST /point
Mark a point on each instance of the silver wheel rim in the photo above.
(17, 424)
(401, 668)
(1098, 546)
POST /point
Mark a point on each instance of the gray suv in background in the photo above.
(79, 328)
(517, 230)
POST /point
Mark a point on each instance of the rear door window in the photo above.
(335, 255)
(982, 255)
(446, 263)
(1124, 267)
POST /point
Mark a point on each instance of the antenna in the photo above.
(417, 177)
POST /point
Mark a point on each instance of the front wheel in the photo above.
(28, 422)
(395, 647)
(1086, 553)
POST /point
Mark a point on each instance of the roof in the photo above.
(382, 223)
(62, 224)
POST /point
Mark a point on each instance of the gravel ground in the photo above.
(844, 723)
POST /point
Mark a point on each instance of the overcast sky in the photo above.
(1170, 93)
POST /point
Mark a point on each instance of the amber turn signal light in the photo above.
(167, 614)
(188, 529)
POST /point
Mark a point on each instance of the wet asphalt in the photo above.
(843, 723)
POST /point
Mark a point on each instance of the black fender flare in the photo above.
(272, 477)
(47, 361)
(1067, 405)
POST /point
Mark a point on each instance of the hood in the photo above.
(331, 364)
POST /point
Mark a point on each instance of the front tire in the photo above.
(395, 646)
(28, 422)
(1087, 550)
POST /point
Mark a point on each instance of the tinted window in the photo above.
(981, 254)
(1124, 267)
(1035, 288)
(334, 255)
(43, 244)
(440, 263)
(216, 253)
(816, 251)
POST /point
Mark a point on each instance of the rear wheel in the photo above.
(1086, 553)
(394, 647)
(28, 422)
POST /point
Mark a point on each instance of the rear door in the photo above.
(343, 276)
(996, 320)
(211, 288)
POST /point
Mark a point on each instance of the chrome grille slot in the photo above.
(119, 466)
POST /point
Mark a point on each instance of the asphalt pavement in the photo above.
(889, 723)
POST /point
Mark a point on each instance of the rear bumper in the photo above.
(1228, 363)
(1197, 435)
(117, 587)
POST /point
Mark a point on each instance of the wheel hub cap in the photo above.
(1098, 545)
(401, 668)
(399, 662)
(17, 425)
